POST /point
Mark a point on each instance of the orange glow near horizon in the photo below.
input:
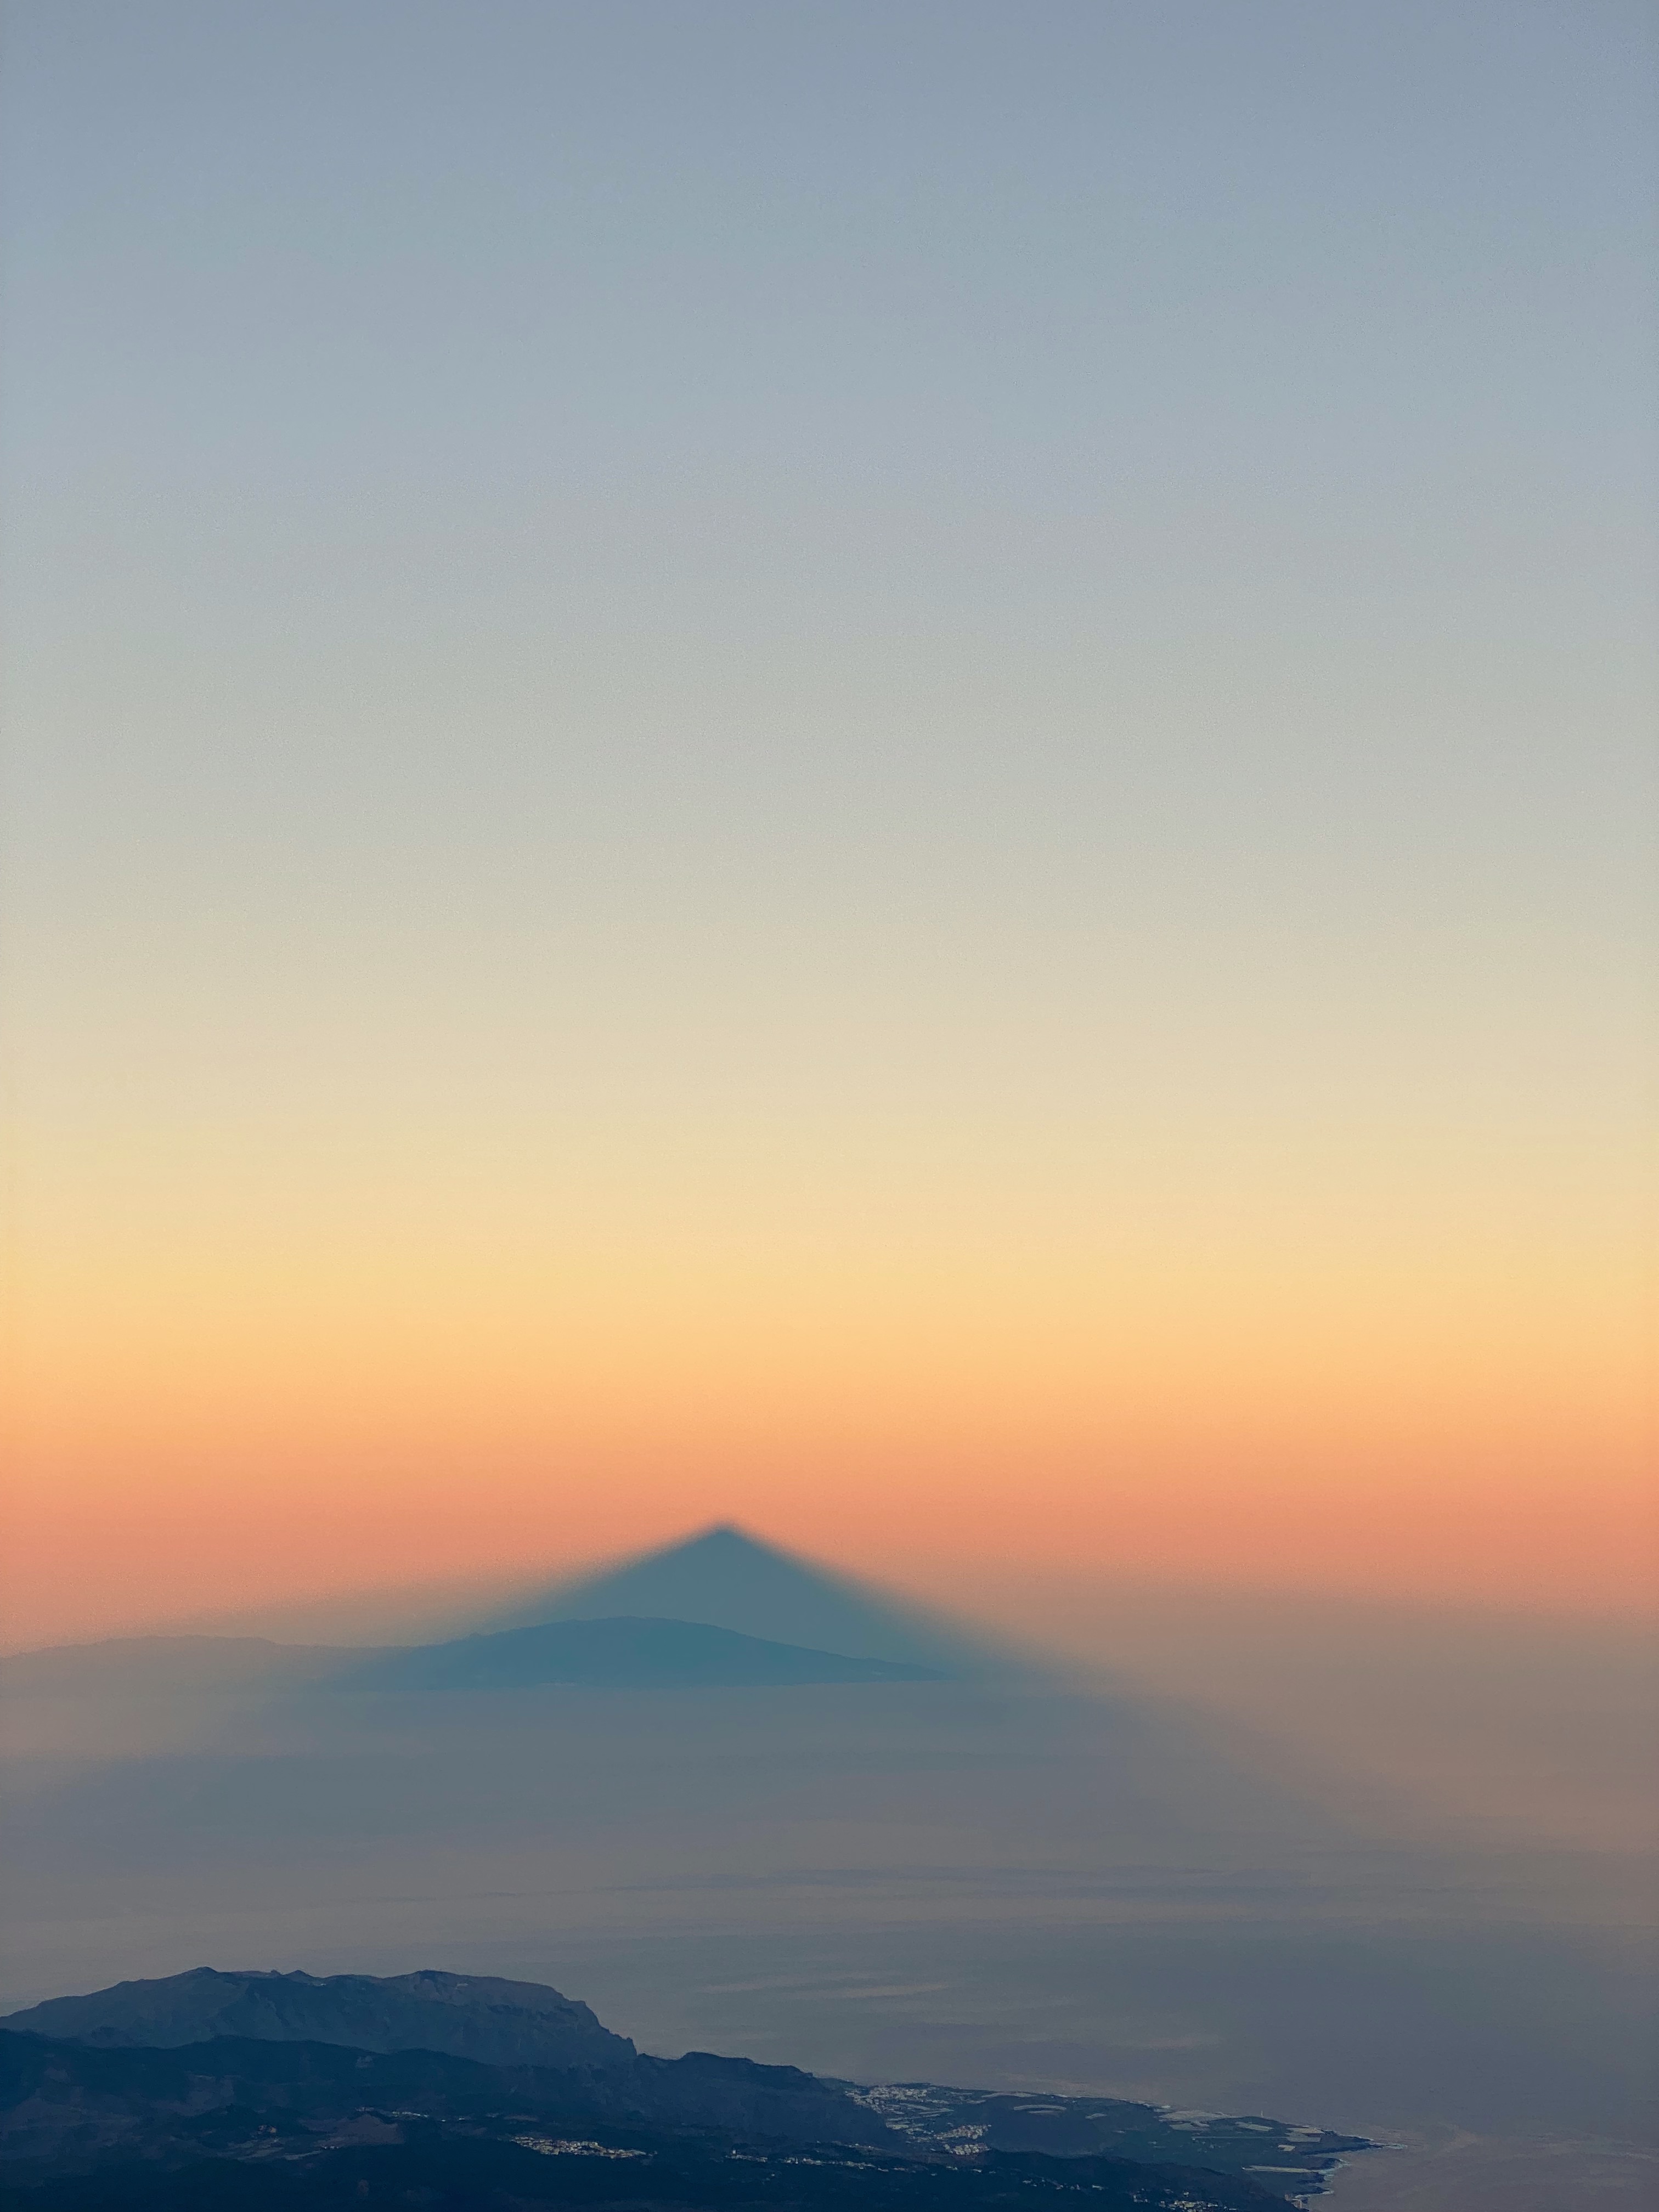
(262, 1428)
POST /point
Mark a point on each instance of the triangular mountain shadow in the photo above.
(726, 1579)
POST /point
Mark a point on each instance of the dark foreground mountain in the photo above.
(628, 1653)
(207, 2091)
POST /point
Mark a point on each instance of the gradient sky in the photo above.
(884, 769)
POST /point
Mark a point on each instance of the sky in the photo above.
(886, 771)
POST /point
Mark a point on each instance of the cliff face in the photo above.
(500, 2023)
(226, 2023)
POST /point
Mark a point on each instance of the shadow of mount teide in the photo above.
(727, 1579)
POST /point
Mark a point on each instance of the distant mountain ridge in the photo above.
(618, 1653)
(622, 1653)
